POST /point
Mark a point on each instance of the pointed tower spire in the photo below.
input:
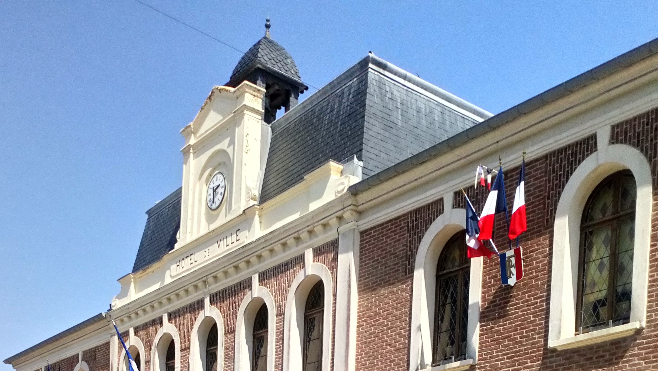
(267, 27)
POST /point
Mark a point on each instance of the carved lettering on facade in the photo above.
(211, 249)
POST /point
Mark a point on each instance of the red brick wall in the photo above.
(183, 319)
(66, 364)
(146, 333)
(277, 280)
(386, 255)
(228, 301)
(98, 358)
(514, 320)
(327, 254)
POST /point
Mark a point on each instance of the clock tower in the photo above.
(226, 144)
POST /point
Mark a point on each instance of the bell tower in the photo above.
(269, 66)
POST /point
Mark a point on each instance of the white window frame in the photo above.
(566, 243)
(245, 323)
(133, 342)
(294, 317)
(424, 288)
(159, 349)
(204, 322)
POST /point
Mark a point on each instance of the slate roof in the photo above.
(159, 237)
(269, 55)
(362, 112)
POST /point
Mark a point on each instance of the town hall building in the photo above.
(329, 234)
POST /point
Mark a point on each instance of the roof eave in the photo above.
(84, 324)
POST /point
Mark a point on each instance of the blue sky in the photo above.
(93, 95)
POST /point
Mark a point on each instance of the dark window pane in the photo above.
(606, 259)
(170, 363)
(211, 349)
(259, 352)
(313, 317)
(451, 315)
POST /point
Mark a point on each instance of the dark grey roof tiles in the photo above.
(312, 134)
(159, 235)
(267, 54)
(362, 112)
(401, 122)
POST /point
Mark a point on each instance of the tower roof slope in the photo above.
(269, 55)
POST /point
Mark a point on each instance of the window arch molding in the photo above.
(294, 316)
(608, 160)
(204, 322)
(167, 333)
(424, 285)
(250, 305)
(136, 343)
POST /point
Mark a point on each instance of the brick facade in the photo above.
(385, 280)
(513, 320)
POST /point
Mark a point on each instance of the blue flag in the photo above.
(131, 362)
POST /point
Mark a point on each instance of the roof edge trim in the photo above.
(86, 323)
(406, 76)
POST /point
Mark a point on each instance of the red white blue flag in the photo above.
(511, 266)
(475, 248)
(518, 223)
(496, 203)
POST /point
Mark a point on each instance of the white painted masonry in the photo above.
(566, 240)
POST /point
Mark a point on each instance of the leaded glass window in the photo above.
(606, 254)
(451, 315)
(259, 353)
(211, 349)
(170, 360)
(313, 320)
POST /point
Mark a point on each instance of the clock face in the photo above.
(216, 191)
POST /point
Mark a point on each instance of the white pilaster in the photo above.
(346, 297)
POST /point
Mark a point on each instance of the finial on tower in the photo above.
(267, 27)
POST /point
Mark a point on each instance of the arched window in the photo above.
(259, 352)
(170, 360)
(135, 355)
(138, 362)
(451, 318)
(211, 349)
(605, 264)
(313, 317)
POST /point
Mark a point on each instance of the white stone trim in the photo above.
(294, 316)
(244, 325)
(133, 341)
(81, 366)
(347, 297)
(423, 302)
(202, 325)
(566, 238)
(159, 349)
(599, 336)
(454, 366)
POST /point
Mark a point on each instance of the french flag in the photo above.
(518, 223)
(475, 248)
(496, 203)
(511, 266)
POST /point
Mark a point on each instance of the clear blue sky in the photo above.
(93, 95)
